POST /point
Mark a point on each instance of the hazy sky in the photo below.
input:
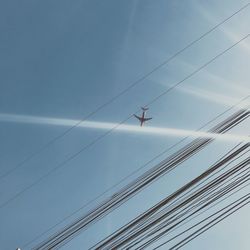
(60, 60)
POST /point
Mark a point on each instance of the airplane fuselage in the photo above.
(142, 118)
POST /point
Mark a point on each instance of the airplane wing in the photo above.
(147, 119)
(138, 117)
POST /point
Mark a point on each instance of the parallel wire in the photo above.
(52, 141)
(181, 213)
(154, 221)
(174, 203)
(199, 214)
(204, 198)
(54, 247)
(116, 126)
(133, 173)
(167, 200)
(118, 245)
(201, 221)
(211, 224)
(107, 205)
(187, 194)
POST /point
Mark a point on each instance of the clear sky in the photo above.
(60, 60)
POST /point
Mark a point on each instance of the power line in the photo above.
(188, 194)
(151, 175)
(200, 222)
(51, 246)
(241, 178)
(173, 218)
(182, 224)
(134, 172)
(141, 182)
(129, 231)
(60, 165)
(137, 227)
(213, 223)
(52, 141)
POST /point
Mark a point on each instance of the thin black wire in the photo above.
(187, 194)
(154, 208)
(122, 235)
(182, 224)
(218, 194)
(116, 126)
(174, 195)
(188, 209)
(171, 204)
(117, 246)
(52, 141)
(201, 221)
(216, 221)
(57, 244)
(200, 213)
(53, 247)
(143, 230)
(217, 127)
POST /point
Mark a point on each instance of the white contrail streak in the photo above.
(212, 19)
(121, 128)
(236, 90)
(214, 97)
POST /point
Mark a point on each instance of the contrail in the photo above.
(214, 97)
(26, 119)
(229, 34)
(235, 88)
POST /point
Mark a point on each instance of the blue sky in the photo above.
(63, 59)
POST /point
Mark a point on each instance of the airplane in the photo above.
(142, 119)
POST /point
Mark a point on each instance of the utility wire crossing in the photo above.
(134, 172)
(99, 138)
(114, 98)
(140, 183)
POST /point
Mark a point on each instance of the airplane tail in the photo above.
(144, 108)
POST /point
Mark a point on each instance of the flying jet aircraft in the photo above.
(143, 119)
